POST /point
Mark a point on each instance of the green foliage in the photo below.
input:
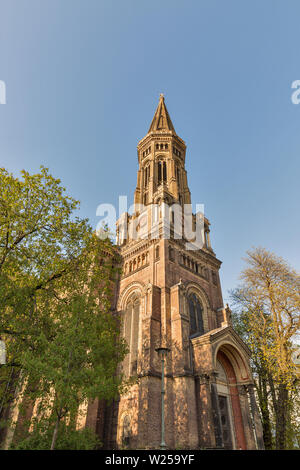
(39, 244)
(68, 439)
(56, 280)
(267, 317)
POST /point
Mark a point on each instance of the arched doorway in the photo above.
(225, 408)
(231, 420)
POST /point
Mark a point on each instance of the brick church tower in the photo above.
(170, 295)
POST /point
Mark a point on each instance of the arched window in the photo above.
(147, 176)
(195, 312)
(161, 171)
(177, 174)
(131, 334)
(164, 171)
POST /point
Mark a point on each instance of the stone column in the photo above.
(216, 411)
(152, 179)
(255, 418)
(246, 418)
(204, 412)
(208, 239)
(138, 191)
(172, 178)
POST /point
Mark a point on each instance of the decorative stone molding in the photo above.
(135, 285)
(204, 379)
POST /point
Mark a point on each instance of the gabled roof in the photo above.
(218, 333)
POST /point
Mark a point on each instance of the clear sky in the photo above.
(83, 79)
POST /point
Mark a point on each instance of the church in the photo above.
(192, 386)
(169, 298)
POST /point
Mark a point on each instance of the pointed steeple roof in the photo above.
(161, 120)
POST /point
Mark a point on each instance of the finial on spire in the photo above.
(161, 95)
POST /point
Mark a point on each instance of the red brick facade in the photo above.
(169, 295)
(161, 277)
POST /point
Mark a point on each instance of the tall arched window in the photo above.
(171, 253)
(131, 334)
(161, 171)
(177, 174)
(164, 171)
(147, 176)
(195, 312)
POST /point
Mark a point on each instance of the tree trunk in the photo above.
(266, 423)
(281, 417)
(55, 432)
(7, 400)
(280, 405)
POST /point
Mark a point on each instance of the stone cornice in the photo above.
(135, 247)
(202, 255)
(160, 134)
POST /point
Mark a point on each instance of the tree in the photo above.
(243, 321)
(55, 295)
(268, 315)
(68, 438)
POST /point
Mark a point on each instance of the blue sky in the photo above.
(83, 79)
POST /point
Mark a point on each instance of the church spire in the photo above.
(161, 154)
(161, 120)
